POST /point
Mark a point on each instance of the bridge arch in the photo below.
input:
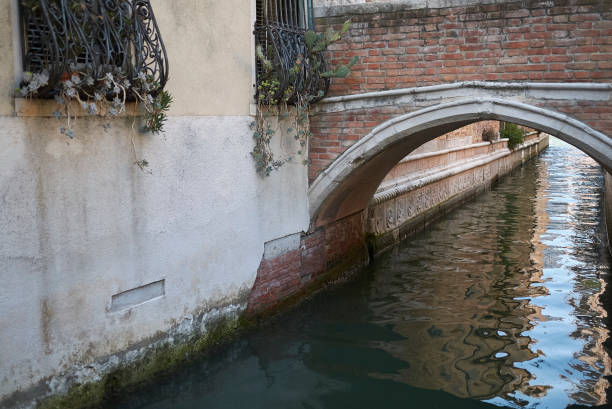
(347, 184)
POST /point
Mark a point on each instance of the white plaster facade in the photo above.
(80, 223)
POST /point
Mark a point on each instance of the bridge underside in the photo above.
(363, 136)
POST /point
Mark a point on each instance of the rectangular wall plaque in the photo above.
(138, 295)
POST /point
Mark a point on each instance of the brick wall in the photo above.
(328, 253)
(554, 40)
(516, 41)
(334, 132)
(462, 137)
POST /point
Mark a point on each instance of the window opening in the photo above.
(97, 36)
(280, 28)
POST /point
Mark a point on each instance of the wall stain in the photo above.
(46, 316)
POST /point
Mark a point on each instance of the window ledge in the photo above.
(45, 108)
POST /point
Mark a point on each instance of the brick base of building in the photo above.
(330, 254)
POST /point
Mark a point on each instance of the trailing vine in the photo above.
(293, 101)
(105, 97)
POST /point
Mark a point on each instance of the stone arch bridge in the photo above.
(425, 68)
(428, 67)
(383, 127)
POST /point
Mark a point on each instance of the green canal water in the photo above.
(501, 303)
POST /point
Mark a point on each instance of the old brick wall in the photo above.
(556, 41)
(436, 150)
(527, 40)
(325, 254)
(334, 132)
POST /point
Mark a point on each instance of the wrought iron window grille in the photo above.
(280, 30)
(99, 37)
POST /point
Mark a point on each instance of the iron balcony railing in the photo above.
(96, 36)
(280, 29)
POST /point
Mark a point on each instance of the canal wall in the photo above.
(424, 186)
(297, 265)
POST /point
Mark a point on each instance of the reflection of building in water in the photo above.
(594, 358)
(500, 301)
(536, 256)
(463, 319)
(587, 224)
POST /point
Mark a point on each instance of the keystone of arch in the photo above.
(329, 193)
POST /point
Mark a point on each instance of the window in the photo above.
(97, 36)
(295, 14)
(280, 29)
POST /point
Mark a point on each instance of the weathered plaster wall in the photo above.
(7, 75)
(80, 223)
(211, 54)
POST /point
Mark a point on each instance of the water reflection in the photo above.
(497, 304)
(466, 291)
(500, 301)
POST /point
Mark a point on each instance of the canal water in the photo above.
(501, 303)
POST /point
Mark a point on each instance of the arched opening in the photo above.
(347, 185)
(444, 173)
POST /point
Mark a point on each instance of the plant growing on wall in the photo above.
(489, 135)
(104, 96)
(96, 55)
(515, 135)
(281, 86)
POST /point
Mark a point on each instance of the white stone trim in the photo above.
(329, 8)
(404, 185)
(283, 245)
(585, 138)
(517, 90)
(425, 155)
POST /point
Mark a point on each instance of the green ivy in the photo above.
(268, 99)
(515, 135)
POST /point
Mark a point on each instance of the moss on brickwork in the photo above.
(157, 362)
(377, 243)
(336, 273)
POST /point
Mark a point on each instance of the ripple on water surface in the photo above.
(497, 304)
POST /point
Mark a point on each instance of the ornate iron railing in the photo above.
(96, 36)
(279, 30)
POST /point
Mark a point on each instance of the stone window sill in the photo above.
(45, 108)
